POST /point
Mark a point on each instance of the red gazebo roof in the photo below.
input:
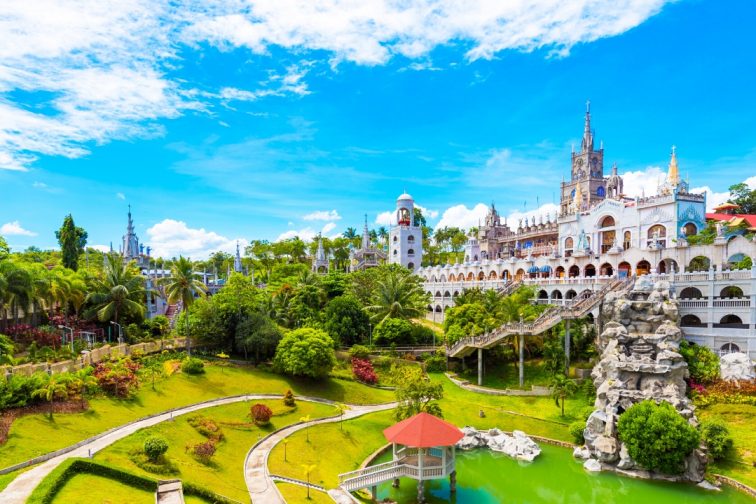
(423, 431)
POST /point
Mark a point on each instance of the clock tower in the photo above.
(587, 172)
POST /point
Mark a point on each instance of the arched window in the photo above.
(557, 294)
(626, 240)
(731, 291)
(690, 229)
(569, 243)
(607, 221)
(590, 271)
(691, 321)
(574, 271)
(481, 276)
(600, 192)
(731, 321)
(395, 238)
(606, 270)
(699, 263)
(395, 252)
(438, 293)
(690, 293)
(571, 294)
(542, 294)
(410, 239)
(657, 235)
(729, 348)
(642, 268)
(411, 252)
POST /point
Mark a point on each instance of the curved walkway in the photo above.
(19, 490)
(260, 484)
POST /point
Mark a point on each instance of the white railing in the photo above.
(732, 303)
(387, 471)
(693, 303)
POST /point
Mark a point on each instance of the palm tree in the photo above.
(84, 382)
(182, 287)
(18, 293)
(119, 292)
(398, 296)
(383, 234)
(561, 388)
(342, 409)
(308, 468)
(52, 388)
(350, 233)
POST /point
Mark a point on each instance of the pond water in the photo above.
(485, 477)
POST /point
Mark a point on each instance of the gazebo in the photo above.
(423, 448)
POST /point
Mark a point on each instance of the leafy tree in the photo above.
(716, 435)
(72, 240)
(54, 388)
(257, 334)
(182, 287)
(345, 321)
(703, 363)
(4, 248)
(7, 349)
(415, 393)
(305, 352)
(393, 332)
(562, 388)
(656, 436)
(743, 196)
(261, 414)
(155, 446)
(154, 369)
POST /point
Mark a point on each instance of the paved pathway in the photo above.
(19, 490)
(262, 489)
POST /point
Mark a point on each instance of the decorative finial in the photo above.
(588, 106)
(673, 149)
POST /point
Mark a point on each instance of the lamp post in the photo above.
(61, 326)
(370, 334)
(120, 331)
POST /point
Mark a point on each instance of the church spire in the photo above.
(587, 144)
(365, 236)
(673, 175)
(237, 259)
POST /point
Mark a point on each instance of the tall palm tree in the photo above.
(383, 234)
(118, 292)
(350, 233)
(182, 287)
(18, 294)
(52, 388)
(398, 296)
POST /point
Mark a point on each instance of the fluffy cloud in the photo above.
(324, 215)
(462, 217)
(328, 227)
(305, 234)
(14, 229)
(544, 211)
(106, 70)
(171, 238)
(643, 182)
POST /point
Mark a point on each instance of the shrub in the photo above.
(717, 438)
(724, 392)
(703, 363)
(288, 399)
(118, 378)
(656, 436)
(422, 335)
(204, 451)
(155, 446)
(192, 366)
(359, 351)
(435, 364)
(363, 371)
(207, 427)
(305, 352)
(576, 431)
(260, 414)
(394, 331)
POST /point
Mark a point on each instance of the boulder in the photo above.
(736, 366)
(592, 465)
(581, 452)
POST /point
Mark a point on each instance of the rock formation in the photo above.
(518, 445)
(639, 360)
(736, 367)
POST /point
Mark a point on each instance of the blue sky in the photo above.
(263, 119)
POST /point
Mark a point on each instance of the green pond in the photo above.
(485, 477)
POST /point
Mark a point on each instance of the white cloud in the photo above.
(120, 196)
(106, 70)
(643, 182)
(171, 238)
(328, 227)
(385, 219)
(429, 214)
(324, 215)
(306, 234)
(101, 248)
(14, 229)
(712, 198)
(545, 211)
(462, 217)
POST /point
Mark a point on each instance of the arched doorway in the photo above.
(643, 268)
(657, 236)
(739, 261)
(668, 266)
(519, 274)
(559, 272)
(574, 271)
(570, 294)
(606, 270)
(729, 348)
(481, 276)
(542, 294)
(556, 295)
(493, 276)
(732, 322)
(590, 271)
(626, 240)
(607, 233)
(699, 263)
(470, 277)
(624, 269)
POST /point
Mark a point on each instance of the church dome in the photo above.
(404, 197)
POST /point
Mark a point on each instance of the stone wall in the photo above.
(94, 356)
(640, 360)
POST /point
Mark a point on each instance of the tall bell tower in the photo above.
(406, 237)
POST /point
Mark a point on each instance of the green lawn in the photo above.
(295, 493)
(330, 449)
(98, 490)
(224, 475)
(740, 420)
(507, 376)
(34, 435)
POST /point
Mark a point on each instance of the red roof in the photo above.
(749, 218)
(423, 431)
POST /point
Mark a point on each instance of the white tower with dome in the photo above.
(406, 237)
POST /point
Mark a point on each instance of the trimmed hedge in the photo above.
(85, 466)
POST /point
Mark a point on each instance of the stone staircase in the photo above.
(172, 313)
(548, 319)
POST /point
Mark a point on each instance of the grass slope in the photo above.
(295, 493)
(740, 420)
(35, 435)
(224, 474)
(98, 490)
